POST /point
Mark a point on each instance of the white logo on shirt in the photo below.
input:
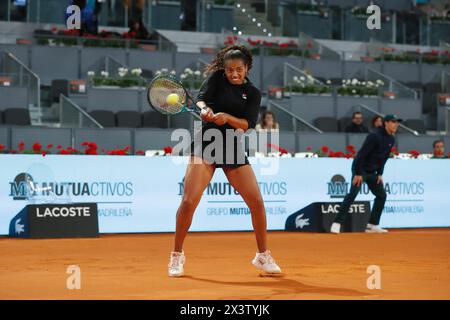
(244, 96)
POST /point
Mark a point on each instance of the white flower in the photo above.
(183, 76)
(370, 83)
(164, 70)
(188, 71)
(328, 81)
(105, 74)
(91, 73)
(197, 73)
(136, 72)
(295, 79)
(302, 78)
(363, 83)
(158, 72)
(122, 74)
(353, 91)
(173, 72)
(354, 82)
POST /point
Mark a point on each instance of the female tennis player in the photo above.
(229, 101)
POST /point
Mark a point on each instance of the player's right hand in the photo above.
(357, 180)
(207, 115)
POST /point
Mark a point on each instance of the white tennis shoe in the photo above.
(375, 229)
(176, 264)
(265, 262)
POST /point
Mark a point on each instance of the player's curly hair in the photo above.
(230, 52)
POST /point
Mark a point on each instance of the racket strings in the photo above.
(160, 89)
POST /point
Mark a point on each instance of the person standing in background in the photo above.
(377, 123)
(368, 167)
(268, 122)
(97, 8)
(438, 150)
(357, 125)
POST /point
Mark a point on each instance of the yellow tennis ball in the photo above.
(172, 99)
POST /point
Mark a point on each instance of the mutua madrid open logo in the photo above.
(22, 187)
(337, 187)
(25, 187)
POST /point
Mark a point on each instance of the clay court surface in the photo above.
(415, 264)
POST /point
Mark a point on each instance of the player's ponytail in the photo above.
(231, 52)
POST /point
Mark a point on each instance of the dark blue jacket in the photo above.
(374, 153)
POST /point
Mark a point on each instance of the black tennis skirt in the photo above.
(229, 154)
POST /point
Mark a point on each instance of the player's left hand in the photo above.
(221, 118)
(379, 179)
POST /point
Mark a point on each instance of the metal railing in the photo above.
(444, 45)
(290, 71)
(72, 116)
(108, 64)
(314, 47)
(201, 64)
(360, 106)
(111, 66)
(445, 82)
(447, 120)
(376, 48)
(13, 66)
(390, 84)
(356, 55)
(295, 118)
(261, 45)
(162, 44)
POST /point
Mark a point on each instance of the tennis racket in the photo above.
(168, 96)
